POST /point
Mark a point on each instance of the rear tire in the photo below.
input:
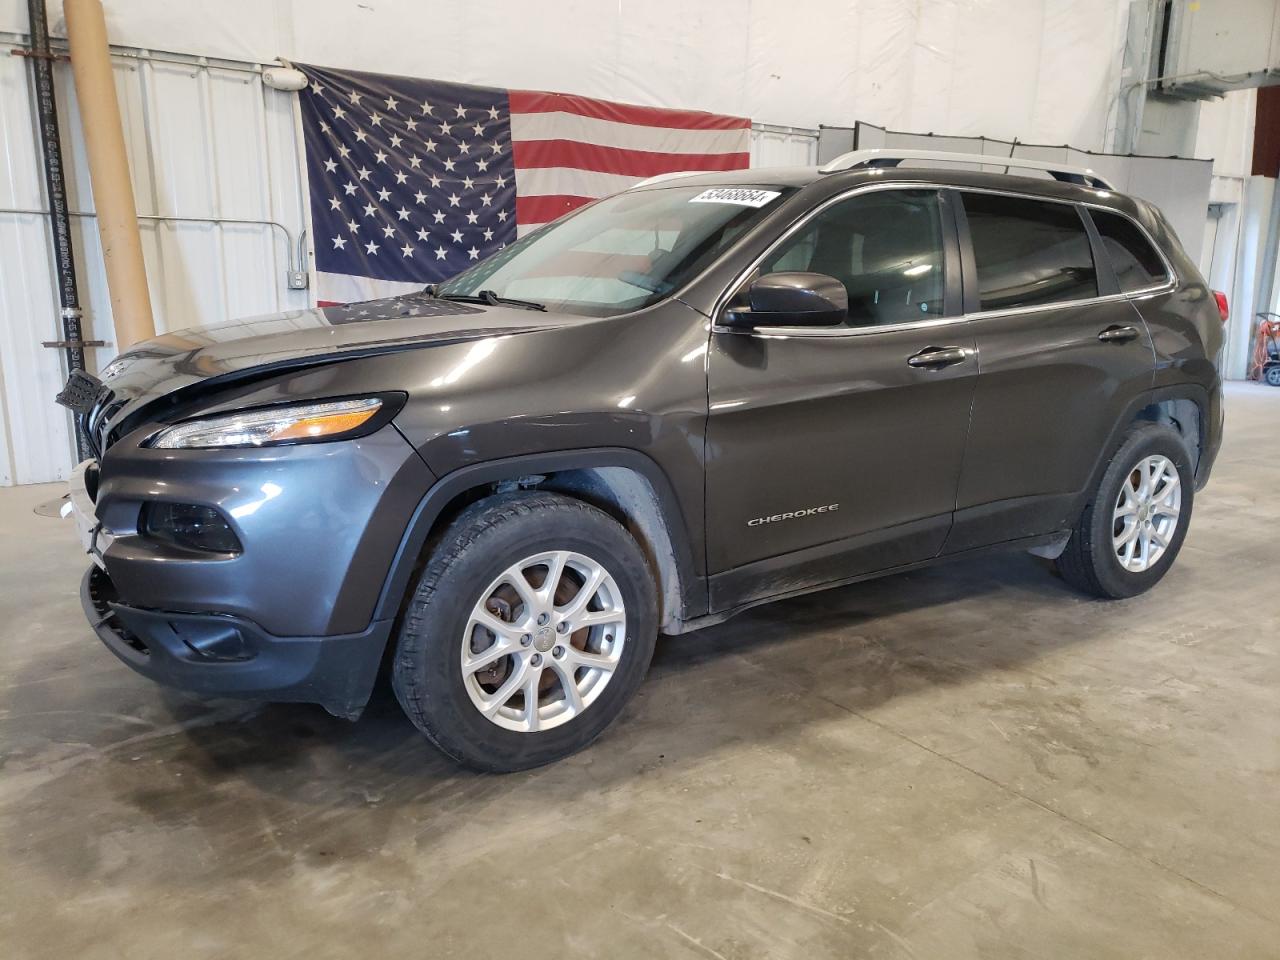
(1105, 555)
(543, 691)
(1272, 375)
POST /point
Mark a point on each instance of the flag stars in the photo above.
(430, 145)
(402, 214)
(363, 173)
(502, 215)
(325, 128)
(411, 124)
(406, 251)
(438, 216)
(401, 176)
(415, 161)
(396, 140)
(422, 234)
(338, 112)
(482, 165)
(419, 197)
(391, 103)
(339, 242)
(388, 231)
(354, 98)
(488, 234)
(371, 248)
(441, 253)
(464, 147)
(468, 182)
(335, 203)
(449, 165)
(460, 112)
(486, 199)
(353, 227)
(453, 199)
(361, 136)
(380, 156)
(472, 216)
(435, 181)
(349, 188)
(370, 209)
(384, 194)
(375, 119)
(500, 182)
(478, 128)
(344, 151)
(330, 166)
(428, 110)
(457, 236)
(473, 254)
(496, 147)
(493, 113)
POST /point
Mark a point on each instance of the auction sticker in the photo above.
(742, 196)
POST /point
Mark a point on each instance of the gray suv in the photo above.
(705, 393)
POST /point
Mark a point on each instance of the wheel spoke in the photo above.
(597, 618)
(555, 570)
(572, 696)
(530, 689)
(596, 661)
(1126, 536)
(489, 656)
(1160, 539)
(520, 583)
(499, 628)
(589, 589)
(508, 689)
(1171, 482)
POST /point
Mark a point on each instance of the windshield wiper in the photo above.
(491, 299)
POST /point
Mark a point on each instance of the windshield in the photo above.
(621, 253)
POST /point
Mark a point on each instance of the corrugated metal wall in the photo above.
(207, 142)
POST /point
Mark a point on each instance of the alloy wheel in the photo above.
(543, 641)
(1146, 513)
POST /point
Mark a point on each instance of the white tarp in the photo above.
(1041, 70)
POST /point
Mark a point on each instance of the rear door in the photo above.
(1061, 353)
(834, 452)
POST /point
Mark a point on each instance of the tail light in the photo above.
(1224, 311)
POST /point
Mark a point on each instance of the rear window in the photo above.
(1029, 252)
(1136, 262)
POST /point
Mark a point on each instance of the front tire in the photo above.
(1132, 528)
(529, 630)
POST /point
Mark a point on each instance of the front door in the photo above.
(836, 452)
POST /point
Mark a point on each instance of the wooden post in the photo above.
(109, 172)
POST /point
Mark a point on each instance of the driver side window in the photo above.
(886, 248)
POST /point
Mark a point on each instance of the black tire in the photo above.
(483, 541)
(1272, 375)
(1089, 561)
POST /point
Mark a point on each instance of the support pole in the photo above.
(72, 341)
(109, 172)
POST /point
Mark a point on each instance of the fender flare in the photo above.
(1194, 392)
(445, 489)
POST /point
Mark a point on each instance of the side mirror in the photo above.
(792, 300)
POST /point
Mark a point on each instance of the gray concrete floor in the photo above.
(970, 761)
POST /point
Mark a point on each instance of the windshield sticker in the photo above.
(742, 196)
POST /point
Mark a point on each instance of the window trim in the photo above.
(956, 245)
(1169, 275)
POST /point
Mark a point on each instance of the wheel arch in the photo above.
(624, 483)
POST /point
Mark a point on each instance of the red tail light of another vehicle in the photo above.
(1224, 310)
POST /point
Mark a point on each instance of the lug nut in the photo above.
(536, 660)
(525, 640)
(562, 627)
(557, 652)
(543, 618)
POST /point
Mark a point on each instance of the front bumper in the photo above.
(227, 656)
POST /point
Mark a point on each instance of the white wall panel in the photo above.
(1043, 70)
(203, 142)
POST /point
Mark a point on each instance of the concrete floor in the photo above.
(971, 761)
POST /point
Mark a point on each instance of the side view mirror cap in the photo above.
(792, 300)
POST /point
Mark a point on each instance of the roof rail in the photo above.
(891, 158)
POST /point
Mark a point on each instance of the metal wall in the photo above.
(207, 142)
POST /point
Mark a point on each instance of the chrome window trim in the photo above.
(786, 332)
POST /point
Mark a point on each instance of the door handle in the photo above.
(938, 357)
(1118, 334)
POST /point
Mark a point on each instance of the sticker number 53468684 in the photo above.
(742, 196)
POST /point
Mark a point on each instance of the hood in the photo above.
(262, 345)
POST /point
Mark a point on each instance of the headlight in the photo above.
(331, 420)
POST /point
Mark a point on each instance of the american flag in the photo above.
(411, 181)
